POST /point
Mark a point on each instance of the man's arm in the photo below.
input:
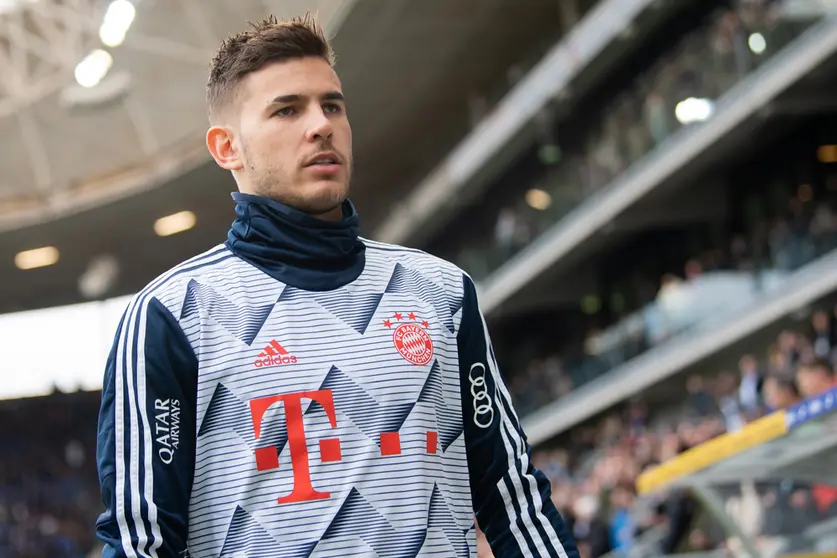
(511, 498)
(146, 437)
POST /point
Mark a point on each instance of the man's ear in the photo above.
(219, 141)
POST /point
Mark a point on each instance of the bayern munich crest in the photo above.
(411, 338)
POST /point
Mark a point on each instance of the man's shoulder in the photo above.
(418, 258)
(170, 287)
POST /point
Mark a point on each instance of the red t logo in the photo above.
(267, 458)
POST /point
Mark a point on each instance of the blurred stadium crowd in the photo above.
(772, 237)
(49, 494)
(782, 216)
(595, 475)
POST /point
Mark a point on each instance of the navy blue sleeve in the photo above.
(146, 437)
(511, 498)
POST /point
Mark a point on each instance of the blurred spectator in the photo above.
(821, 334)
(750, 385)
(800, 513)
(590, 531)
(680, 508)
(729, 402)
(699, 402)
(780, 393)
(622, 527)
(815, 377)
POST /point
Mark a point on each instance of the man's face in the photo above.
(820, 322)
(811, 380)
(774, 395)
(289, 114)
(748, 363)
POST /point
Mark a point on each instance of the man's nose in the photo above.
(320, 127)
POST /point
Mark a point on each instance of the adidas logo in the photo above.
(274, 354)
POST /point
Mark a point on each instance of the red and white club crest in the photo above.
(414, 343)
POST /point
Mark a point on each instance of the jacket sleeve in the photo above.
(146, 435)
(511, 498)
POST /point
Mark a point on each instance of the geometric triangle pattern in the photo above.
(371, 417)
(243, 323)
(357, 518)
(406, 281)
(449, 424)
(227, 412)
(246, 537)
(440, 517)
(454, 302)
(352, 308)
(355, 309)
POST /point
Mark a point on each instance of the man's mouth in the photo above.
(323, 159)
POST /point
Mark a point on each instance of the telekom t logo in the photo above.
(268, 458)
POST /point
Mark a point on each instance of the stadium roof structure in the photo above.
(104, 98)
(110, 138)
(797, 444)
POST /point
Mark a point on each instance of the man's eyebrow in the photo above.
(294, 98)
(282, 99)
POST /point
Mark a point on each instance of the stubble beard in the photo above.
(277, 185)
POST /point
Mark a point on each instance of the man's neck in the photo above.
(332, 215)
(310, 252)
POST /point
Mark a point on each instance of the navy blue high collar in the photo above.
(294, 247)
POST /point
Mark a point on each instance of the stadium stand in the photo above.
(679, 89)
(777, 219)
(765, 240)
(596, 478)
(49, 493)
(607, 346)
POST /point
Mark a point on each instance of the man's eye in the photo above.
(285, 111)
(332, 107)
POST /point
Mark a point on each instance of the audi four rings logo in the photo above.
(483, 405)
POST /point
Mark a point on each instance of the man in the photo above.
(815, 377)
(780, 393)
(300, 391)
(750, 387)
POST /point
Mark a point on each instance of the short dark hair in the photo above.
(269, 40)
(818, 363)
(785, 384)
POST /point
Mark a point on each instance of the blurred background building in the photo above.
(644, 190)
